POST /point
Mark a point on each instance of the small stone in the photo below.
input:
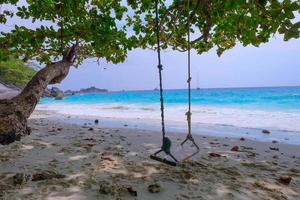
(20, 178)
(285, 179)
(235, 148)
(154, 188)
(90, 129)
(265, 131)
(242, 139)
(274, 149)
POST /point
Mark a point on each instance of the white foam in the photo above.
(288, 121)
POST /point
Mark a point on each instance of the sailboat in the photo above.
(197, 88)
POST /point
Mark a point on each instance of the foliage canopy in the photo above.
(13, 71)
(108, 29)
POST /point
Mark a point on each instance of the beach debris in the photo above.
(242, 139)
(214, 155)
(107, 158)
(274, 141)
(265, 131)
(96, 121)
(131, 191)
(285, 179)
(20, 178)
(46, 175)
(235, 148)
(90, 129)
(274, 148)
(154, 188)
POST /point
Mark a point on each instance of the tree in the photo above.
(68, 32)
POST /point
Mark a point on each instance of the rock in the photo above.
(96, 121)
(20, 178)
(235, 148)
(285, 179)
(90, 129)
(46, 175)
(69, 93)
(274, 142)
(59, 96)
(54, 92)
(47, 93)
(242, 139)
(154, 188)
(274, 149)
(265, 131)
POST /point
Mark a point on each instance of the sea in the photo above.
(226, 112)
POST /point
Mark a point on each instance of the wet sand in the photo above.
(64, 161)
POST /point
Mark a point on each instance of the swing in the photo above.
(166, 142)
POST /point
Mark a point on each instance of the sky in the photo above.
(273, 64)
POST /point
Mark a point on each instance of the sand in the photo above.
(66, 161)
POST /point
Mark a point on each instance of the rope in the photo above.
(160, 68)
(189, 113)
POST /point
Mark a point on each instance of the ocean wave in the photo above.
(251, 118)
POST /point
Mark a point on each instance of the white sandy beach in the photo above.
(60, 160)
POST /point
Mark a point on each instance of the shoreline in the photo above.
(179, 127)
(92, 162)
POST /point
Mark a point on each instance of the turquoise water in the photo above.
(241, 112)
(277, 98)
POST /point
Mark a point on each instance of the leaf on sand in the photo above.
(214, 155)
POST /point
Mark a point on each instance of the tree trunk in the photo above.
(15, 112)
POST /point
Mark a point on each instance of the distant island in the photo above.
(58, 94)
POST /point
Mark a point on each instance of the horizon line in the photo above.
(208, 88)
